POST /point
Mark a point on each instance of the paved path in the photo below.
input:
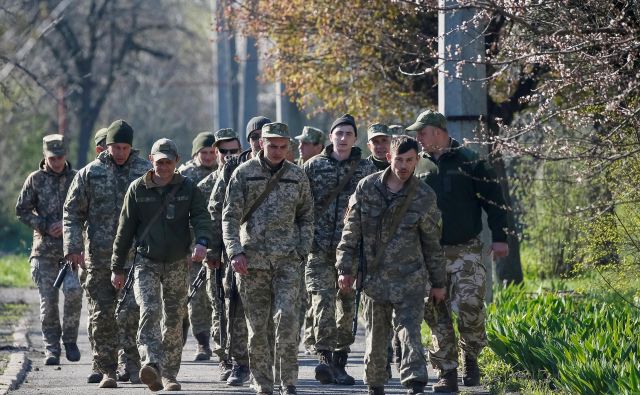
(196, 377)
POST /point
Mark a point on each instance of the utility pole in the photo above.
(462, 94)
(248, 88)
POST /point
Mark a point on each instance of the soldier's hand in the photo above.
(76, 260)
(199, 253)
(239, 264)
(117, 280)
(500, 250)
(55, 229)
(438, 295)
(345, 282)
(212, 263)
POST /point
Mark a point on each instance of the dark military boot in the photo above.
(185, 329)
(203, 352)
(415, 387)
(95, 377)
(376, 391)
(133, 369)
(72, 352)
(225, 368)
(239, 375)
(52, 355)
(471, 372)
(447, 382)
(289, 390)
(339, 364)
(324, 369)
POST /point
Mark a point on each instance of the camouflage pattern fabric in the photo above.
(44, 272)
(200, 308)
(93, 206)
(466, 285)
(195, 171)
(237, 331)
(216, 347)
(332, 310)
(381, 319)
(40, 205)
(272, 295)
(161, 292)
(128, 320)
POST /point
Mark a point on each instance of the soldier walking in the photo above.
(40, 207)
(465, 185)
(267, 224)
(333, 176)
(157, 212)
(393, 218)
(93, 203)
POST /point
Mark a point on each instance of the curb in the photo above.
(19, 364)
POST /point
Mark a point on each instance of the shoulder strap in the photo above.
(324, 204)
(270, 185)
(168, 198)
(395, 222)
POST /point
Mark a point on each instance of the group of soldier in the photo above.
(278, 246)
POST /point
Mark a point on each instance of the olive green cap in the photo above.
(202, 140)
(164, 148)
(225, 135)
(100, 136)
(429, 118)
(311, 135)
(275, 129)
(377, 129)
(53, 145)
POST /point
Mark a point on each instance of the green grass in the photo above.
(10, 313)
(15, 271)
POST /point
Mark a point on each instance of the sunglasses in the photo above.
(228, 151)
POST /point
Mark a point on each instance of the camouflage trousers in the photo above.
(271, 306)
(161, 293)
(128, 320)
(381, 320)
(200, 307)
(237, 331)
(82, 275)
(212, 290)
(44, 272)
(332, 310)
(103, 325)
(466, 276)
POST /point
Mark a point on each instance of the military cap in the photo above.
(120, 132)
(275, 129)
(164, 148)
(429, 118)
(53, 145)
(225, 135)
(311, 135)
(377, 129)
(256, 123)
(100, 136)
(202, 140)
(396, 130)
(346, 119)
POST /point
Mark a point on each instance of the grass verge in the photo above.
(15, 271)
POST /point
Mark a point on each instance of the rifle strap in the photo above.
(331, 196)
(270, 185)
(395, 221)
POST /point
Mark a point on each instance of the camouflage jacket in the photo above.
(413, 254)
(195, 171)
(282, 225)
(168, 238)
(325, 173)
(95, 198)
(40, 205)
(379, 164)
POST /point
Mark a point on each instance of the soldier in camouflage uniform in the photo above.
(332, 315)
(94, 202)
(311, 143)
(267, 242)
(202, 163)
(40, 207)
(379, 141)
(234, 356)
(396, 219)
(465, 185)
(158, 209)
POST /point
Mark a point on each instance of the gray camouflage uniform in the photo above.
(394, 291)
(40, 205)
(95, 199)
(275, 240)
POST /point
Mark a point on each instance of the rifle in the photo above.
(127, 285)
(362, 269)
(221, 306)
(62, 273)
(201, 277)
(233, 303)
